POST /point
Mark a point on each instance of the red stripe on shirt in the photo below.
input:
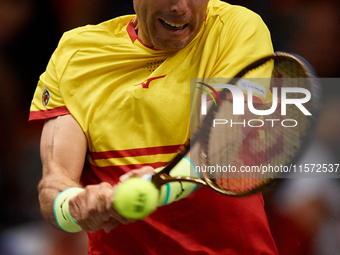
(132, 32)
(38, 117)
(136, 152)
(93, 174)
(133, 35)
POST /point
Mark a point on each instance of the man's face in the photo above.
(169, 24)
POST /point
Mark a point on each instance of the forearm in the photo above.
(49, 188)
(63, 151)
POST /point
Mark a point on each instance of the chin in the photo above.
(171, 45)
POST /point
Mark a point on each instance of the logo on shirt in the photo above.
(45, 97)
(145, 84)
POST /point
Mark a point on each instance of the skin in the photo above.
(64, 144)
(63, 151)
(152, 29)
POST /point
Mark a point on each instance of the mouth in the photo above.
(173, 26)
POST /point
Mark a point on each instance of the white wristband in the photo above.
(61, 210)
(174, 191)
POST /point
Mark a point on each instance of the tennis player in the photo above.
(116, 97)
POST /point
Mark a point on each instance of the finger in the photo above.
(110, 208)
(142, 171)
(137, 173)
(102, 209)
(103, 200)
(109, 199)
(114, 214)
(126, 176)
(96, 206)
(76, 208)
(110, 225)
(86, 209)
(90, 216)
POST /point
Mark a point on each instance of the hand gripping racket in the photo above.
(239, 154)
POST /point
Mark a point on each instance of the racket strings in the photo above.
(288, 139)
(236, 153)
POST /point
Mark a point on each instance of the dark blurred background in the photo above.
(303, 213)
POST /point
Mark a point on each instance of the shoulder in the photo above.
(232, 15)
(99, 35)
(88, 38)
(233, 23)
(84, 39)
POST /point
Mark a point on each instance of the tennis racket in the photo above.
(240, 154)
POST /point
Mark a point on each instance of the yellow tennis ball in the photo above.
(135, 198)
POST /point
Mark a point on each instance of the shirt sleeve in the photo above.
(47, 100)
(244, 39)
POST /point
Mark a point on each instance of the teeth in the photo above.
(174, 25)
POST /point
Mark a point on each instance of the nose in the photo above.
(179, 6)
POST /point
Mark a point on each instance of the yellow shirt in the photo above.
(133, 102)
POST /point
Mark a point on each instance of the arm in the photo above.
(63, 152)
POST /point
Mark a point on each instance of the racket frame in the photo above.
(163, 176)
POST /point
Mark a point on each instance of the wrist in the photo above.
(174, 191)
(61, 211)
